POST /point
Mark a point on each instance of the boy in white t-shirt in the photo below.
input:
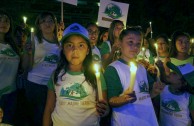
(177, 105)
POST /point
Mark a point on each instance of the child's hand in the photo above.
(129, 97)
(1, 115)
(157, 88)
(102, 108)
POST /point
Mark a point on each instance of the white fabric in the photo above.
(186, 68)
(141, 112)
(146, 55)
(96, 54)
(46, 57)
(174, 110)
(9, 62)
(75, 102)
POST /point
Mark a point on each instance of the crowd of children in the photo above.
(49, 78)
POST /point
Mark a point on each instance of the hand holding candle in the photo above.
(99, 87)
(133, 69)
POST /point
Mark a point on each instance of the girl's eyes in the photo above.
(130, 43)
(69, 45)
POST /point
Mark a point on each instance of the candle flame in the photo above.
(133, 67)
(25, 19)
(156, 45)
(143, 49)
(32, 29)
(150, 22)
(96, 67)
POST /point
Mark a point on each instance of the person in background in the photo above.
(146, 54)
(177, 105)
(179, 50)
(40, 61)
(163, 46)
(93, 31)
(61, 28)
(134, 107)
(110, 50)
(103, 37)
(72, 90)
(9, 63)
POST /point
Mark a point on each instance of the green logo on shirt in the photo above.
(95, 57)
(143, 87)
(171, 105)
(8, 52)
(51, 59)
(76, 92)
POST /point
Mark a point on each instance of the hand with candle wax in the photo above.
(123, 99)
(102, 108)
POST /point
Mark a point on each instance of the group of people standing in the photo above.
(59, 83)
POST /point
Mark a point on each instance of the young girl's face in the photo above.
(93, 35)
(130, 46)
(47, 25)
(4, 24)
(75, 49)
(105, 36)
(162, 45)
(182, 44)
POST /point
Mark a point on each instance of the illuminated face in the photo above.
(117, 30)
(4, 24)
(93, 35)
(130, 46)
(162, 45)
(47, 25)
(182, 44)
(75, 50)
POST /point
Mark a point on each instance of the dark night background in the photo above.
(166, 15)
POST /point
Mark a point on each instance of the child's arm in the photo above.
(50, 104)
(125, 98)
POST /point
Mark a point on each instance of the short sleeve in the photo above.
(114, 86)
(104, 48)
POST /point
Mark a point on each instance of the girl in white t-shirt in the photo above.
(71, 98)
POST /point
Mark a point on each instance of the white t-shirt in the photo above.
(9, 62)
(141, 112)
(46, 57)
(174, 109)
(75, 102)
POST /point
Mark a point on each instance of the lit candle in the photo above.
(25, 19)
(156, 45)
(99, 87)
(62, 11)
(151, 28)
(143, 51)
(192, 40)
(133, 69)
(32, 34)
